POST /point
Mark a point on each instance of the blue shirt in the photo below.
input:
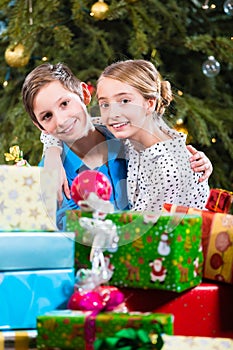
(115, 170)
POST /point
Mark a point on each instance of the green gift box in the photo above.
(67, 329)
(152, 253)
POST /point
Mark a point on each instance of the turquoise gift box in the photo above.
(36, 250)
(26, 294)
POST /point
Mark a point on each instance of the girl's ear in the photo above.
(85, 93)
(151, 104)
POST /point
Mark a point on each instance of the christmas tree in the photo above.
(189, 42)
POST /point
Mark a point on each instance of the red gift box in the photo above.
(217, 242)
(205, 310)
(219, 200)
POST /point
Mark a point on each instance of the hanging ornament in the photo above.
(181, 128)
(99, 10)
(16, 56)
(228, 7)
(205, 6)
(211, 67)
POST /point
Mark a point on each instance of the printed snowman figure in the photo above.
(163, 246)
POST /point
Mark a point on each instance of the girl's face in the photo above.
(123, 109)
(61, 112)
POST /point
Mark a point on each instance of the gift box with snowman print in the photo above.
(150, 251)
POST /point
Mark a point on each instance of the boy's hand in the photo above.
(200, 163)
(63, 186)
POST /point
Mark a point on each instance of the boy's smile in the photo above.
(61, 112)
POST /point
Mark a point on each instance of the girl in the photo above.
(132, 99)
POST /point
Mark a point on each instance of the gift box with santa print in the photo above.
(67, 329)
(152, 252)
(217, 242)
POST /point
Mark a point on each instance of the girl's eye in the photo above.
(65, 103)
(124, 101)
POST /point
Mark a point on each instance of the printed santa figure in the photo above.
(158, 271)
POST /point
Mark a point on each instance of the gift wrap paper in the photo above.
(18, 340)
(27, 199)
(66, 329)
(196, 343)
(217, 241)
(219, 200)
(205, 310)
(26, 294)
(36, 250)
(162, 255)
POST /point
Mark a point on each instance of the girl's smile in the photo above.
(123, 109)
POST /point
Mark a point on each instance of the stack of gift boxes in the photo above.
(161, 266)
(36, 260)
(175, 272)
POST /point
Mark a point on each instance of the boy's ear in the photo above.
(86, 93)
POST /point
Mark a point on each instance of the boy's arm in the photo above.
(200, 163)
(52, 151)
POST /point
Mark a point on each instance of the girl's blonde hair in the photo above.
(143, 76)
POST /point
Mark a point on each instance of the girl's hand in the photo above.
(200, 163)
(52, 160)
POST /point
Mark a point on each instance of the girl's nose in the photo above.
(114, 110)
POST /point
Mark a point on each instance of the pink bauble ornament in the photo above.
(90, 181)
(86, 301)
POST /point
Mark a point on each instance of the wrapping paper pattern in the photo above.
(65, 329)
(205, 310)
(196, 343)
(217, 241)
(165, 254)
(219, 200)
(36, 250)
(18, 340)
(26, 294)
(27, 199)
(26, 340)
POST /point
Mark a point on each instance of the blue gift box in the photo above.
(36, 250)
(26, 294)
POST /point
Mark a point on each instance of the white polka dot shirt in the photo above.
(162, 174)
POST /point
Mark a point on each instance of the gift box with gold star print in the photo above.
(152, 252)
(27, 199)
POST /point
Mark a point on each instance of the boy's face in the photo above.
(61, 113)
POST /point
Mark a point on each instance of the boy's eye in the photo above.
(47, 116)
(104, 105)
